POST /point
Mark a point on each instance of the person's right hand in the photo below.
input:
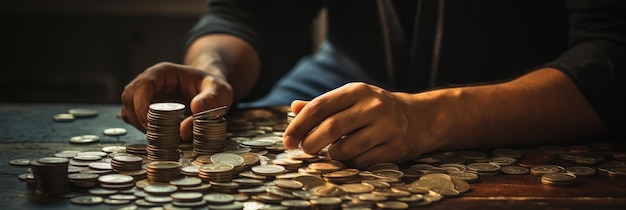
(198, 89)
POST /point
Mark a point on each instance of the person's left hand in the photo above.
(363, 124)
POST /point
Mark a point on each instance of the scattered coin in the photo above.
(84, 139)
(83, 112)
(63, 118)
(114, 131)
(19, 162)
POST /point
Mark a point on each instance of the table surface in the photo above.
(28, 131)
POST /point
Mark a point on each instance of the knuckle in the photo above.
(332, 127)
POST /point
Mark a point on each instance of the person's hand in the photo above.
(363, 124)
(198, 89)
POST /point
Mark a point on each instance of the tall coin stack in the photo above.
(163, 132)
(209, 131)
(51, 176)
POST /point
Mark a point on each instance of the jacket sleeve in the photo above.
(596, 59)
(279, 30)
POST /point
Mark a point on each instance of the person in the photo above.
(397, 79)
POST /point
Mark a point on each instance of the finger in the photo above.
(297, 105)
(186, 130)
(354, 144)
(313, 113)
(141, 102)
(211, 96)
(384, 153)
(333, 128)
(128, 108)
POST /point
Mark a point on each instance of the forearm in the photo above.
(540, 107)
(227, 57)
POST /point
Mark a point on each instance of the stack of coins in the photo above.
(81, 180)
(125, 163)
(209, 131)
(163, 131)
(51, 176)
(116, 181)
(201, 160)
(163, 171)
(216, 172)
(137, 149)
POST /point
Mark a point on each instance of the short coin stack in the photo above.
(209, 131)
(123, 163)
(163, 131)
(163, 171)
(51, 176)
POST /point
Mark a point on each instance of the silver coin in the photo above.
(83, 112)
(160, 188)
(167, 106)
(218, 198)
(19, 162)
(187, 196)
(84, 139)
(115, 179)
(53, 160)
(227, 158)
(114, 131)
(87, 200)
(517, 170)
(212, 113)
(581, 171)
(186, 182)
(115, 201)
(63, 117)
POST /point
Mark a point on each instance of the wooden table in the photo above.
(27, 131)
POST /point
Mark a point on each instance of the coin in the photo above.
(212, 113)
(84, 139)
(268, 170)
(114, 131)
(115, 179)
(114, 149)
(581, 171)
(19, 162)
(227, 158)
(357, 188)
(218, 198)
(187, 196)
(63, 118)
(83, 112)
(544, 169)
(160, 189)
(186, 182)
(514, 170)
(87, 200)
(167, 106)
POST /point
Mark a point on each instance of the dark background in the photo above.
(85, 51)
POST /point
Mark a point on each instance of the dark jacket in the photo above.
(455, 42)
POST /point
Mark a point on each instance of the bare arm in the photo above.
(366, 125)
(540, 107)
(227, 57)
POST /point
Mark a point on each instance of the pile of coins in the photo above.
(252, 169)
(163, 132)
(209, 131)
